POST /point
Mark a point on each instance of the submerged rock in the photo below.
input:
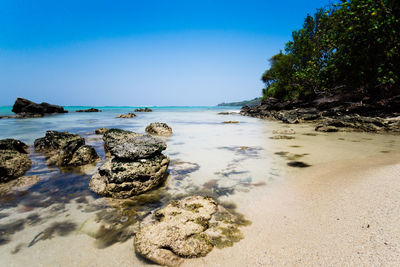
(127, 116)
(143, 110)
(227, 113)
(101, 130)
(187, 228)
(65, 149)
(14, 160)
(284, 131)
(89, 110)
(26, 108)
(159, 128)
(134, 165)
(230, 122)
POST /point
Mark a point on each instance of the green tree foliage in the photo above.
(350, 47)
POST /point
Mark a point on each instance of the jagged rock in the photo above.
(343, 111)
(143, 110)
(13, 144)
(65, 149)
(101, 130)
(127, 116)
(26, 108)
(89, 110)
(187, 228)
(159, 128)
(123, 179)
(134, 165)
(14, 161)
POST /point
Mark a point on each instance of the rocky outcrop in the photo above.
(14, 160)
(89, 110)
(159, 128)
(143, 110)
(187, 228)
(134, 164)
(333, 114)
(65, 149)
(25, 108)
(127, 116)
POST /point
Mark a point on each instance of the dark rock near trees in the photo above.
(159, 128)
(14, 160)
(143, 110)
(187, 228)
(134, 164)
(26, 108)
(337, 113)
(65, 149)
(89, 110)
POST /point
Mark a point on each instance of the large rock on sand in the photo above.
(134, 165)
(65, 149)
(26, 108)
(187, 228)
(159, 128)
(14, 160)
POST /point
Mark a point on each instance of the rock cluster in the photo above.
(187, 228)
(127, 116)
(333, 114)
(25, 108)
(14, 160)
(159, 128)
(143, 110)
(134, 164)
(89, 110)
(65, 149)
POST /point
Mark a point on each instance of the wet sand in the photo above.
(344, 213)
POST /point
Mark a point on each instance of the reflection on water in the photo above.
(227, 162)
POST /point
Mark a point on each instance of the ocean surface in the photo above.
(55, 222)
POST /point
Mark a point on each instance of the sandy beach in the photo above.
(344, 213)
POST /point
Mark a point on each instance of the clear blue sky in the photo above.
(160, 52)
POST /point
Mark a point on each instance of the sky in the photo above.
(141, 53)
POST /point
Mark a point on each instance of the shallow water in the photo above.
(51, 223)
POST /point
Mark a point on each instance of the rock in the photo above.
(227, 113)
(101, 130)
(143, 110)
(123, 179)
(280, 137)
(13, 144)
(127, 116)
(89, 110)
(159, 128)
(326, 129)
(298, 164)
(14, 161)
(20, 184)
(230, 122)
(28, 108)
(284, 131)
(134, 165)
(187, 228)
(65, 149)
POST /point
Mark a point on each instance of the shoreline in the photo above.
(348, 217)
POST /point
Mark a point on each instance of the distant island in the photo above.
(251, 103)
